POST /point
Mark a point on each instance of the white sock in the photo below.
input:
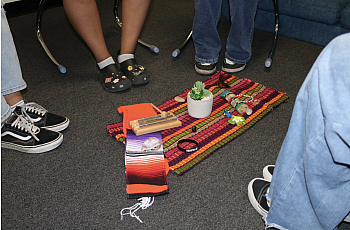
(229, 62)
(124, 57)
(106, 62)
(20, 104)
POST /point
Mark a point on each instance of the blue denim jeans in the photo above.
(205, 35)
(11, 74)
(310, 188)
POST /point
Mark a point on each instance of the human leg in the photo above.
(5, 110)
(85, 18)
(132, 26)
(205, 36)
(12, 83)
(311, 179)
(18, 131)
(134, 13)
(11, 75)
(13, 98)
(238, 44)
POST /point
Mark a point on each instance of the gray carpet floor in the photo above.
(81, 185)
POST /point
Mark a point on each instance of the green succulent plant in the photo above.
(198, 91)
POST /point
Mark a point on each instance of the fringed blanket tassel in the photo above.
(144, 203)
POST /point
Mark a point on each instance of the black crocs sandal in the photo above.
(136, 73)
(113, 80)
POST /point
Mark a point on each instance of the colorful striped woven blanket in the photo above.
(146, 171)
(213, 132)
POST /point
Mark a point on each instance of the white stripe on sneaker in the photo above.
(35, 120)
(26, 138)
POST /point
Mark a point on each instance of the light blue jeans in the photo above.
(11, 74)
(205, 35)
(310, 188)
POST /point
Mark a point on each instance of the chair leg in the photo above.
(153, 48)
(60, 67)
(177, 51)
(268, 61)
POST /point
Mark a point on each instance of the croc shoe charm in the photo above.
(136, 73)
(136, 70)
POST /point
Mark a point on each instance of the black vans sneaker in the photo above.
(205, 68)
(42, 118)
(258, 190)
(21, 134)
(232, 68)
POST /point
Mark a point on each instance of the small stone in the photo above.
(249, 111)
(194, 129)
(179, 99)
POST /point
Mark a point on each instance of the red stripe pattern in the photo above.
(213, 132)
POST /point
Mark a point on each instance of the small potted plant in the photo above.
(199, 101)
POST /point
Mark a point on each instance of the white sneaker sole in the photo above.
(228, 70)
(347, 219)
(58, 127)
(34, 149)
(204, 72)
(266, 174)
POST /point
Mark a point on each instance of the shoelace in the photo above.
(144, 203)
(24, 124)
(33, 108)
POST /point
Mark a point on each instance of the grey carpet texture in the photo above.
(81, 184)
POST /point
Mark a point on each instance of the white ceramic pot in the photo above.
(199, 108)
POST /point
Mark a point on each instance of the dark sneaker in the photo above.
(347, 219)
(257, 191)
(205, 68)
(113, 80)
(21, 134)
(136, 73)
(268, 172)
(42, 118)
(232, 68)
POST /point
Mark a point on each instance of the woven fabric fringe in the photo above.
(213, 132)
